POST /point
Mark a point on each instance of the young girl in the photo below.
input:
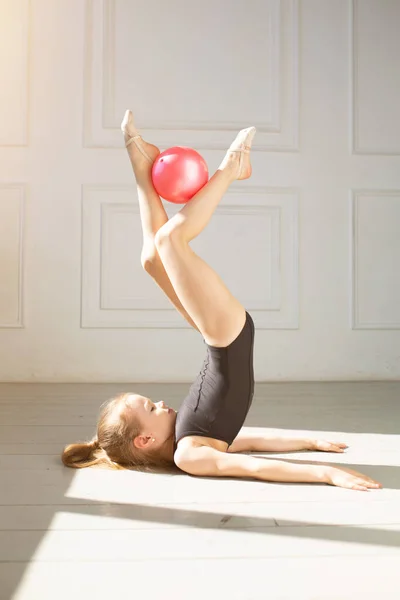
(204, 437)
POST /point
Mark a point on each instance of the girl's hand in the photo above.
(328, 446)
(347, 478)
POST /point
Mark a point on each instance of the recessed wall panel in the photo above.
(14, 41)
(376, 259)
(251, 242)
(11, 254)
(376, 76)
(175, 86)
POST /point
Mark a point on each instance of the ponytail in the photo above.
(87, 454)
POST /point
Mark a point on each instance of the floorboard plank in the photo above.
(67, 533)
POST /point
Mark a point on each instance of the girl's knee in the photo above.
(149, 257)
(171, 231)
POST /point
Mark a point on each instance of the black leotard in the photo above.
(219, 399)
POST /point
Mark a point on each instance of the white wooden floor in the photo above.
(81, 534)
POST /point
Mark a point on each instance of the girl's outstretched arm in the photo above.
(250, 441)
(206, 461)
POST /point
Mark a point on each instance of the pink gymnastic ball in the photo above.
(179, 173)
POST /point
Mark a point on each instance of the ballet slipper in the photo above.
(242, 144)
(131, 135)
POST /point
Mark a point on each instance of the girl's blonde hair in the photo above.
(113, 448)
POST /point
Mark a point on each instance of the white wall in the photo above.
(310, 244)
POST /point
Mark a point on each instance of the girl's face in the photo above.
(157, 420)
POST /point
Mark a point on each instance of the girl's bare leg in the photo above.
(152, 212)
(142, 155)
(217, 313)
